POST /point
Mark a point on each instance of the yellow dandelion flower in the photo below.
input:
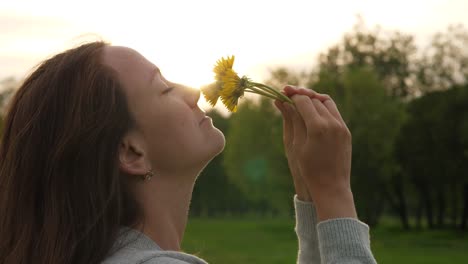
(233, 88)
(211, 92)
(230, 103)
(222, 66)
(230, 87)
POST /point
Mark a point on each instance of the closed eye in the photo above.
(168, 90)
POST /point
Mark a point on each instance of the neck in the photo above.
(165, 201)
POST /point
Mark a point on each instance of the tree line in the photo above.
(407, 109)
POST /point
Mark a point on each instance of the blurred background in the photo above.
(398, 71)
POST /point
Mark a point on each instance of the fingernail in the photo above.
(288, 87)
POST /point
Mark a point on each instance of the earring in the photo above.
(148, 175)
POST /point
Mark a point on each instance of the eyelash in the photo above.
(168, 89)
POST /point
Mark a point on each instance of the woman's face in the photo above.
(174, 132)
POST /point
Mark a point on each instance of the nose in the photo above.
(192, 95)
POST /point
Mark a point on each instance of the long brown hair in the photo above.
(62, 198)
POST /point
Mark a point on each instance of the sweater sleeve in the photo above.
(344, 240)
(341, 240)
(306, 221)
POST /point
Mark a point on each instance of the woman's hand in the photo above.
(288, 138)
(320, 149)
(291, 118)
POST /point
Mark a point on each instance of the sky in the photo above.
(185, 37)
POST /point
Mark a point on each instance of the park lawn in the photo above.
(271, 241)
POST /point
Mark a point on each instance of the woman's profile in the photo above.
(100, 154)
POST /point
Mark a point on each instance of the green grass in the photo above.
(274, 241)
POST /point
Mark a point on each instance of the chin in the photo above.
(218, 141)
(212, 147)
(216, 146)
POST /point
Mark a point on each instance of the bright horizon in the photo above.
(185, 38)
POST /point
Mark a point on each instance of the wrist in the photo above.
(338, 204)
(301, 189)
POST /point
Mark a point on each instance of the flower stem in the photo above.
(260, 90)
(261, 93)
(264, 91)
(274, 91)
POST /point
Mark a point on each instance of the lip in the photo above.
(204, 119)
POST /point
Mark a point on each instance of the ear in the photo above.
(133, 158)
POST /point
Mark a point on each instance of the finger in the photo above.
(288, 129)
(299, 128)
(307, 110)
(287, 122)
(313, 94)
(325, 99)
(331, 106)
(321, 109)
(290, 90)
(279, 105)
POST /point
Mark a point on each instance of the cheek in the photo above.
(175, 139)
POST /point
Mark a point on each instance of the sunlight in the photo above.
(185, 38)
(194, 77)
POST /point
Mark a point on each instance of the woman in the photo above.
(100, 154)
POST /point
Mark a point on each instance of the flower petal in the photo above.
(223, 65)
(211, 92)
(230, 103)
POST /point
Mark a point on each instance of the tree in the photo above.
(390, 54)
(284, 76)
(254, 156)
(444, 63)
(374, 119)
(7, 89)
(214, 193)
(432, 151)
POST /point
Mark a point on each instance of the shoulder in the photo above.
(133, 247)
(164, 260)
(143, 257)
(136, 256)
(174, 257)
(154, 258)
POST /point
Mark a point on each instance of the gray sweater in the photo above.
(342, 240)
